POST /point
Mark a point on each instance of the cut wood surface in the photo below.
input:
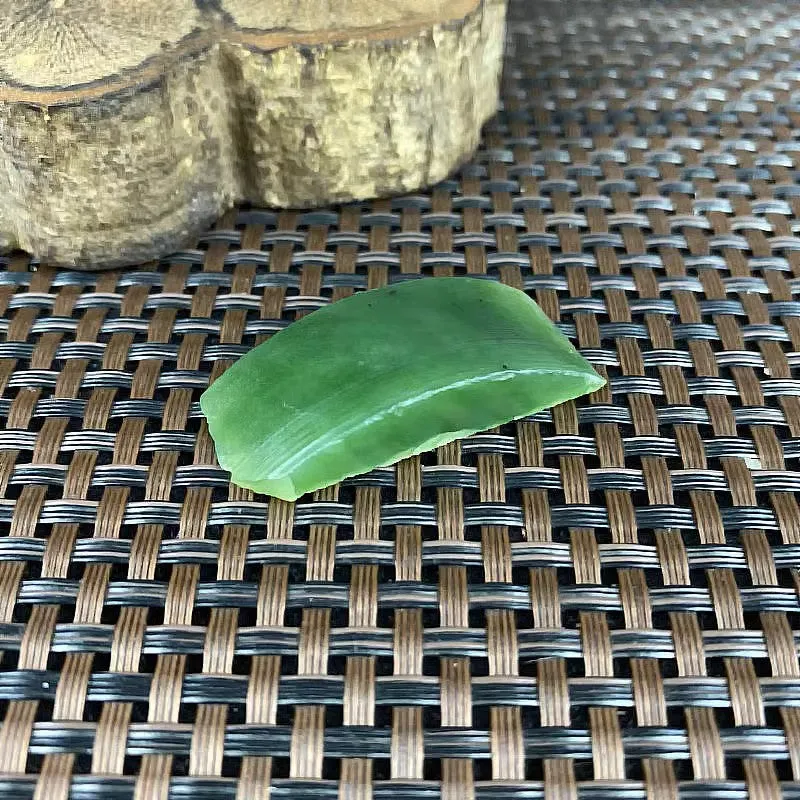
(127, 127)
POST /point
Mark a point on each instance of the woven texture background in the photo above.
(600, 601)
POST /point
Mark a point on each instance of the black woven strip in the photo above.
(438, 642)
(457, 477)
(165, 513)
(358, 742)
(85, 787)
(398, 595)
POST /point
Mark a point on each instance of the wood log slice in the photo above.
(128, 126)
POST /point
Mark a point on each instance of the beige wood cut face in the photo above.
(325, 15)
(127, 126)
(62, 43)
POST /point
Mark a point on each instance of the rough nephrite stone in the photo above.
(128, 126)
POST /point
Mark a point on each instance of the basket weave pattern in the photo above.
(600, 601)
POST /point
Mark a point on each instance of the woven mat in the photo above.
(600, 601)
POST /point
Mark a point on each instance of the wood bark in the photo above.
(126, 128)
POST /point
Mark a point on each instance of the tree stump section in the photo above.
(127, 127)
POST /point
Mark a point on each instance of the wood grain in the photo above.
(126, 128)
